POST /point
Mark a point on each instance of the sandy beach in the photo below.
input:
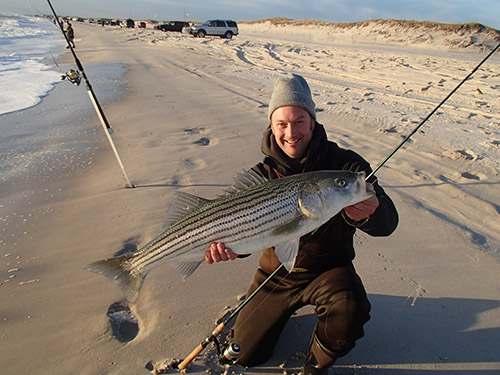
(190, 118)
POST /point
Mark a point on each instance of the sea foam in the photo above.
(27, 69)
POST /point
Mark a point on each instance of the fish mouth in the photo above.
(361, 185)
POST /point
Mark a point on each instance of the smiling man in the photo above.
(323, 274)
(292, 128)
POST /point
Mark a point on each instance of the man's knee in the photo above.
(341, 321)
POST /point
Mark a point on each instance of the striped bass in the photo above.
(253, 215)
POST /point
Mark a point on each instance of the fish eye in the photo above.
(340, 182)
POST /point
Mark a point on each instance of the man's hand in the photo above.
(219, 252)
(364, 209)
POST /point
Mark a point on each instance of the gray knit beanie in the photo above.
(292, 90)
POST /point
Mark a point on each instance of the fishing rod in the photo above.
(221, 326)
(225, 322)
(432, 112)
(213, 336)
(74, 78)
(231, 353)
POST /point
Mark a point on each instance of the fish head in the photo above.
(325, 193)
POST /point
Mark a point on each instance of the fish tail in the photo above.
(119, 269)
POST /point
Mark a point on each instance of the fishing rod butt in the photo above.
(185, 363)
(201, 346)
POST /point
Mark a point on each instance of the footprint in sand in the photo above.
(196, 130)
(482, 104)
(202, 142)
(494, 144)
(461, 154)
(123, 323)
(390, 130)
(470, 176)
(195, 163)
(429, 85)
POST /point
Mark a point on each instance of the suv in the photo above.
(173, 26)
(222, 28)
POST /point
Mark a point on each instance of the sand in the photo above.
(191, 118)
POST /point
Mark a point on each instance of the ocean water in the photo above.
(47, 125)
(28, 46)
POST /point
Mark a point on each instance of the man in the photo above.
(70, 33)
(323, 274)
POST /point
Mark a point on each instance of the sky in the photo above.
(486, 12)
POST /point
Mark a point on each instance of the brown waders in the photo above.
(342, 308)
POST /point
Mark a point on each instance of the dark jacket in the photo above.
(70, 33)
(332, 244)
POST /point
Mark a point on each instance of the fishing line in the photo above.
(33, 8)
(213, 336)
(100, 113)
(247, 300)
(432, 112)
(222, 325)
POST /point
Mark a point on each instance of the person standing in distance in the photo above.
(70, 33)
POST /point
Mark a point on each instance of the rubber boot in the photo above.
(319, 358)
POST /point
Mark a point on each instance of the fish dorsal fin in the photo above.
(181, 205)
(287, 252)
(186, 268)
(245, 180)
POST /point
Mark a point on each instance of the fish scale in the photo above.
(255, 214)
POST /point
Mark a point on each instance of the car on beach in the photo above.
(223, 28)
(130, 23)
(173, 26)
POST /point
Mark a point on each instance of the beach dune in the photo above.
(191, 118)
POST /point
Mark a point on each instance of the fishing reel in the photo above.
(73, 76)
(229, 353)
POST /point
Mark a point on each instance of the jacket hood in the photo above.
(288, 166)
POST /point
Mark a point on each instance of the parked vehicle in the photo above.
(142, 25)
(130, 23)
(222, 28)
(104, 21)
(172, 26)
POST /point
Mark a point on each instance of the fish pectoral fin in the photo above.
(287, 252)
(186, 268)
(288, 228)
(309, 204)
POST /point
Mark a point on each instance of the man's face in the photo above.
(292, 128)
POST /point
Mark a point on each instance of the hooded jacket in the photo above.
(332, 244)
